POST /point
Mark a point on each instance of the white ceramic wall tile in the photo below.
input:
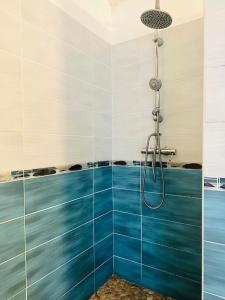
(54, 21)
(102, 100)
(214, 145)
(102, 125)
(101, 76)
(10, 6)
(10, 71)
(10, 33)
(100, 50)
(126, 149)
(49, 150)
(11, 151)
(215, 91)
(11, 112)
(102, 149)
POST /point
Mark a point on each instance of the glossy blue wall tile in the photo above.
(48, 224)
(102, 178)
(178, 182)
(51, 190)
(56, 284)
(46, 258)
(103, 250)
(127, 224)
(175, 235)
(128, 270)
(126, 178)
(215, 216)
(81, 291)
(12, 274)
(127, 247)
(169, 284)
(214, 266)
(11, 239)
(103, 202)
(127, 201)
(11, 200)
(211, 297)
(103, 273)
(103, 226)
(171, 260)
(183, 209)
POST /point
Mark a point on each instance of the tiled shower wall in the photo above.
(214, 145)
(181, 71)
(55, 85)
(161, 249)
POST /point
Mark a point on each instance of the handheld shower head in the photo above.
(156, 18)
(155, 84)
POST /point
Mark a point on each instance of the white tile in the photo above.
(102, 149)
(11, 151)
(53, 52)
(11, 6)
(214, 145)
(10, 71)
(100, 50)
(50, 150)
(215, 93)
(49, 17)
(101, 76)
(10, 33)
(102, 125)
(102, 100)
(126, 149)
(11, 112)
(54, 116)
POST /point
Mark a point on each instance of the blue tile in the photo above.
(127, 247)
(63, 279)
(214, 267)
(82, 291)
(11, 199)
(128, 270)
(215, 216)
(11, 239)
(127, 201)
(127, 224)
(103, 273)
(20, 296)
(176, 235)
(178, 182)
(182, 209)
(103, 202)
(51, 190)
(46, 258)
(211, 297)
(170, 285)
(102, 178)
(12, 274)
(173, 261)
(103, 227)
(45, 225)
(103, 251)
(126, 178)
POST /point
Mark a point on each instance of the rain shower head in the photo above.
(156, 18)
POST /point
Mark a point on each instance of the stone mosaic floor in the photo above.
(118, 289)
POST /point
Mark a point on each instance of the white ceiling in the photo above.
(119, 20)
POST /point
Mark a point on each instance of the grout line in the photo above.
(214, 243)
(103, 191)
(13, 297)
(212, 294)
(59, 267)
(59, 236)
(11, 220)
(8, 260)
(163, 220)
(160, 270)
(174, 195)
(103, 215)
(58, 205)
(103, 239)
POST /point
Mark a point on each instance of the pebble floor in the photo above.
(119, 289)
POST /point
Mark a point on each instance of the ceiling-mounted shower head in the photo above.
(156, 18)
(155, 84)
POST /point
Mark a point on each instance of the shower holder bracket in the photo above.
(163, 151)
